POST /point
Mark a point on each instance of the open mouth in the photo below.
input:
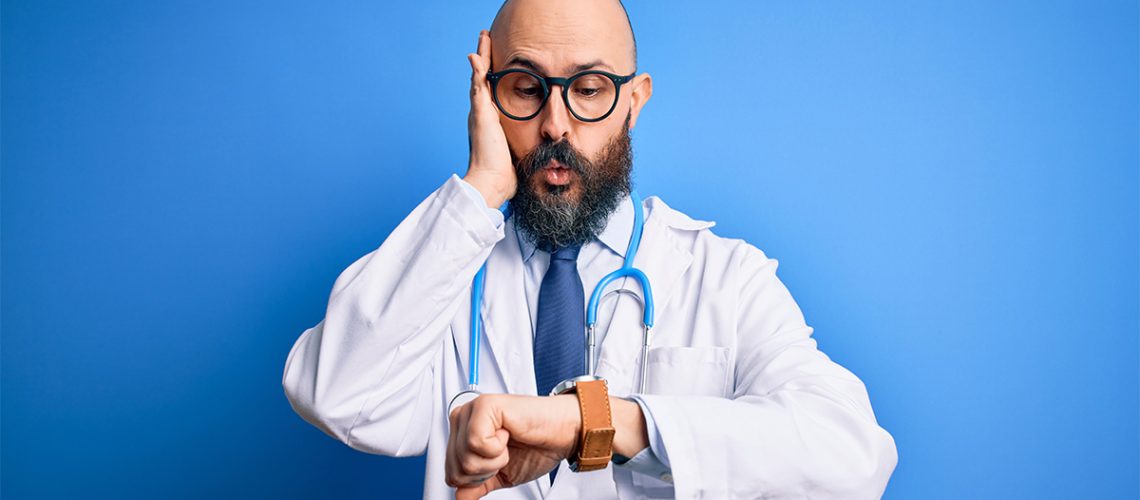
(556, 173)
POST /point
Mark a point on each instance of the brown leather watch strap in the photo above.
(595, 447)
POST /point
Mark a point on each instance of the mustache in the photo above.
(560, 151)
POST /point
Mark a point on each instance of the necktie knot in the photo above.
(569, 253)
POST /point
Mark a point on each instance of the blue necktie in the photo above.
(560, 331)
(560, 335)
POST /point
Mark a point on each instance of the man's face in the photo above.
(578, 162)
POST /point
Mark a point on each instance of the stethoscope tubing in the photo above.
(626, 270)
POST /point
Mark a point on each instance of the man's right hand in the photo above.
(489, 169)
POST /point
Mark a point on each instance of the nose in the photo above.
(555, 117)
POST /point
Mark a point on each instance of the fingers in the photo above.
(478, 78)
(486, 437)
(489, 168)
(482, 109)
(478, 490)
(484, 426)
(464, 469)
(483, 51)
(471, 469)
(480, 63)
(458, 428)
(472, 456)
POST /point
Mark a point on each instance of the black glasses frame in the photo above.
(565, 83)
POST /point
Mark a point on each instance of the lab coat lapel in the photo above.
(506, 317)
(664, 262)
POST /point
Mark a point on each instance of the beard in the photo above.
(549, 214)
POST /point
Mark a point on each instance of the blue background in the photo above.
(951, 189)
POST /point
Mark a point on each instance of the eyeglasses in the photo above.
(590, 95)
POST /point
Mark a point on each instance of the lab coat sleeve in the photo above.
(651, 461)
(364, 374)
(798, 424)
(495, 214)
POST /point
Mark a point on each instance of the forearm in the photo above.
(816, 438)
(385, 318)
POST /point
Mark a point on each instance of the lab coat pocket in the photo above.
(651, 487)
(688, 371)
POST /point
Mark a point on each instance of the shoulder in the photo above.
(656, 207)
(696, 237)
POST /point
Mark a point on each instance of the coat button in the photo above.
(667, 477)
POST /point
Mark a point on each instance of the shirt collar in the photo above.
(615, 236)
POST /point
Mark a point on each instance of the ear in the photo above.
(642, 90)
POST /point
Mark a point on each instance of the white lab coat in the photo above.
(744, 402)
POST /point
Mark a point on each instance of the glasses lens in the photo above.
(592, 96)
(519, 94)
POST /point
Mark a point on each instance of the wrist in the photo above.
(631, 434)
(570, 429)
(492, 193)
(593, 446)
(574, 417)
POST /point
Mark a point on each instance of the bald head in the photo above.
(572, 170)
(561, 37)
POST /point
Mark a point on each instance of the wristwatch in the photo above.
(595, 444)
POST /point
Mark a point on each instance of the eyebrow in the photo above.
(531, 65)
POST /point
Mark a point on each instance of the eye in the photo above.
(528, 91)
(587, 91)
(591, 86)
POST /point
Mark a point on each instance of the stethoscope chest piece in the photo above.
(461, 399)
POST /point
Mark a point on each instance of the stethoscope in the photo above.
(596, 298)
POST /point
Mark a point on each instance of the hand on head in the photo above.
(490, 168)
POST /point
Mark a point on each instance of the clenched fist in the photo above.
(500, 440)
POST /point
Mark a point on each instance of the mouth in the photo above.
(556, 174)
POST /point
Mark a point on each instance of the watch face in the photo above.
(568, 385)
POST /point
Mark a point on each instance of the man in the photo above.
(739, 403)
